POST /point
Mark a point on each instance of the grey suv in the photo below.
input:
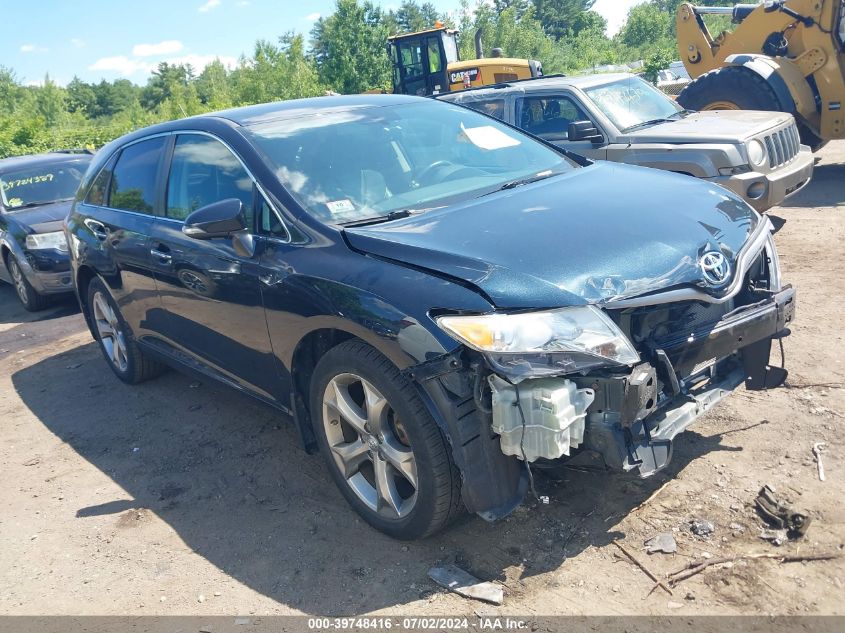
(622, 118)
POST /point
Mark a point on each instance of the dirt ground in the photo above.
(175, 497)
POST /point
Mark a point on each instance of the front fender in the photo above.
(702, 160)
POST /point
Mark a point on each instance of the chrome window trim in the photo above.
(761, 238)
(175, 221)
(248, 172)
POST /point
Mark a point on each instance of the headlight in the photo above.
(42, 241)
(756, 153)
(569, 339)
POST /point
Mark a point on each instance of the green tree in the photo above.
(646, 26)
(349, 48)
(561, 17)
(50, 102)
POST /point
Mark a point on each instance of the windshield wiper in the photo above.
(513, 184)
(378, 219)
(680, 114)
(647, 124)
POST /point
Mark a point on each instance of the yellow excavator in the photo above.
(427, 63)
(783, 55)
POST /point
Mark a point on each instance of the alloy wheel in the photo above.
(110, 332)
(17, 277)
(369, 445)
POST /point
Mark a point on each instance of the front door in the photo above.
(210, 292)
(549, 116)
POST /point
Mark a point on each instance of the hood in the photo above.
(718, 126)
(594, 235)
(45, 218)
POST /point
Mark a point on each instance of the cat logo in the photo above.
(464, 76)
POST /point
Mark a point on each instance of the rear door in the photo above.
(211, 293)
(119, 212)
(549, 115)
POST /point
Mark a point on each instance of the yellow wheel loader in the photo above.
(784, 55)
(427, 63)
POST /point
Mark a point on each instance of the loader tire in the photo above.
(731, 88)
(738, 88)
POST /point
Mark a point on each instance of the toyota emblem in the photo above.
(715, 267)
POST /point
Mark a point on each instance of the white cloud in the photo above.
(78, 43)
(32, 48)
(208, 6)
(167, 47)
(125, 66)
(312, 17)
(122, 65)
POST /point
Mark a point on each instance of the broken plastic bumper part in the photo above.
(630, 419)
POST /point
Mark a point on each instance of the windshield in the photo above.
(41, 184)
(632, 102)
(352, 164)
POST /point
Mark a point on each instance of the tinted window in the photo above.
(134, 178)
(493, 107)
(97, 193)
(549, 117)
(204, 171)
(269, 221)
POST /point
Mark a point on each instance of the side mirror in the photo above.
(218, 219)
(584, 131)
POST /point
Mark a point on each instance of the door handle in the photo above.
(98, 229)
(162, 256)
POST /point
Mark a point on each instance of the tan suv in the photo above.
(622, 118)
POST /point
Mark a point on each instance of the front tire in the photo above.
(126, 359)
(384, 451)
(731, 88)
(31, 300)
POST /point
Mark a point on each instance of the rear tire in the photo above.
(128, 361)
(29, 297)
(384, 451)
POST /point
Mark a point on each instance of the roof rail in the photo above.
(74, 150)
(505, 84)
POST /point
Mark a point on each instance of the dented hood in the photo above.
(594, 235)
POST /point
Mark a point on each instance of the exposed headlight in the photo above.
(569, 339)
(42, 241)
(756, 153)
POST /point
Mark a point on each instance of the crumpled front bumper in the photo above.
(739, 347)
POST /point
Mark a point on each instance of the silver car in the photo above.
(621, 118)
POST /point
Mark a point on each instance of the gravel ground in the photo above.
(176, 497)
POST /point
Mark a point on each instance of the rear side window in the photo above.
(97, 193)
(493, 107)
(204, 171)
(134, 178)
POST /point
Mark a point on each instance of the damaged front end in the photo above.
(613, 382)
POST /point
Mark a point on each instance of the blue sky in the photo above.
(98, 39)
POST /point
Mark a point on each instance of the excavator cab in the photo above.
(420, 60)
